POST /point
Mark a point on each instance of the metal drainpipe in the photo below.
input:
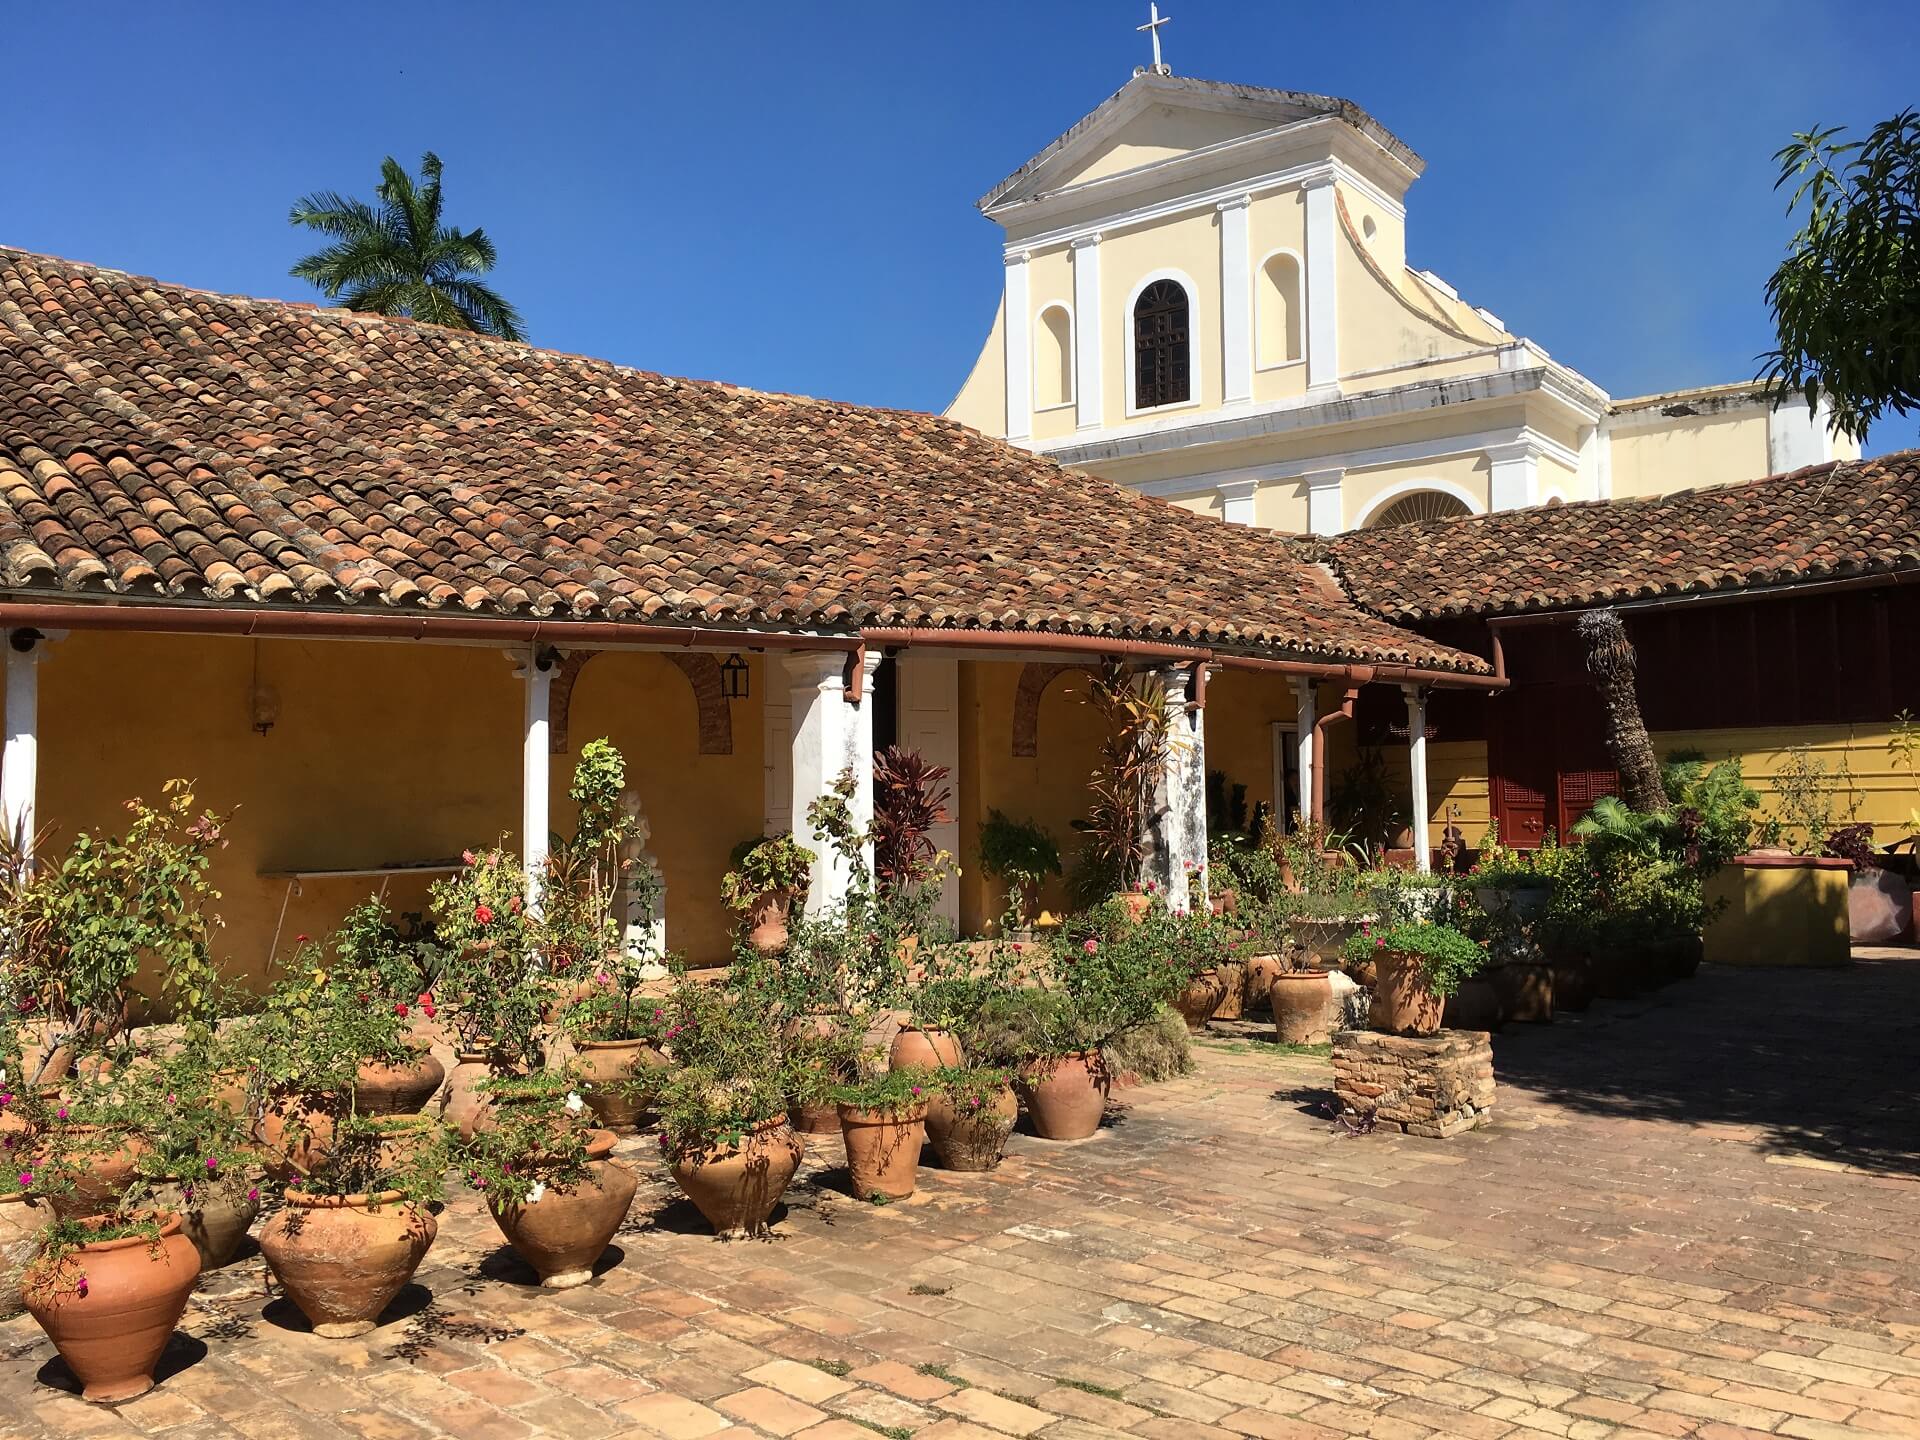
(1345, 712)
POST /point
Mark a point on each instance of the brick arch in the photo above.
(1035, 677)
(702, 672)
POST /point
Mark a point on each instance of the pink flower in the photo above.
(916, 1089)
(213, 1165)
(253, 1193)
(1092, 947)
(61, 1113)
(467, 856)
(514, 905)
(81, 1288)
(26, 1179)
(301, 939)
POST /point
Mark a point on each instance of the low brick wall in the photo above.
(1435, 1086)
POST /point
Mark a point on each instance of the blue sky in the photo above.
(781, 195)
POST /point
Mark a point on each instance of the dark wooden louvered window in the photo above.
(1162, 372)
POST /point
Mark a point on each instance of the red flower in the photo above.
(483, 915)
(1091, 947)
(513, 905)
(400, 1008)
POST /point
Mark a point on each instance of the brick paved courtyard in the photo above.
(1696, 1214)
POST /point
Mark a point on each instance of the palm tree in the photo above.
(398, 259)
(1611, 662)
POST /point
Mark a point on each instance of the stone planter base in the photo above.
(1437, 1086)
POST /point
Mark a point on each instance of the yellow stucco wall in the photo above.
(382, 753)
(982, 401)
(1779, 915)
(1189, 244)
(1685, 452)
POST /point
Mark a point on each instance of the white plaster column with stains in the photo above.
(1236, 303)
(1420, 823)
(1306, 711)
(1019, 352)
(1089, 389)
(1176, 839)
(831, 734)
(535, 667)
(20, 761)
(1322, 286)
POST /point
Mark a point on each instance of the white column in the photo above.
(1514, 475)
(1326, 508)
(1236, 303)
(1176, 842)
(1417, 757)
(1322, 282)
(1305, 713)
(536, 761)
(1088, 390)
(1019, 332)
(20, 763)
(1236, 500)
(830, 735)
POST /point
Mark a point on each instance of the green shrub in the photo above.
(1447, 955)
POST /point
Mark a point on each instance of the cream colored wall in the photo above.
(1685, 452)
(1277, 220)
(982, 401)
(1361, 488)
(1049, 282)
(1388, 243)
(1281, 505)
(382, 753)
(1457, 789)
(1380, 326)
(1158, 133)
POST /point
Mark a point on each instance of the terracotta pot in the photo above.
(1321, 938)
(1572, 984)
(814, 1117)
(49, 1067)
(104, 1170)
(1403, 1002)
(1259, 988)
(342, 1258)
(1526, 992)
(1303, 1009)
(607, 1067)
(883, 1149)
(403, 1089)
(464, 1101)
(1233, 1003)
(1224, 902)
(1066, 1095)
(295, 1134)
(767, 921)
(1474, 1006)
(566, 1230)
(1135, 905)
(972, 1139)
(1616, 973)
(22, 1218)
(737, 1186)
(1678, 957)
(215, 1217)
(1364, 973)
(112, 1335)
(925, 1048)
(228, 1089)
(1199, 998)
(404, 1138)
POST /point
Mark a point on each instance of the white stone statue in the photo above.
(644, 931)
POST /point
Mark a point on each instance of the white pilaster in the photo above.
(20, 762)
(1515, 475)
(1176, 842)
(1421, 820)
(1326, 509)
(1236, 500)
(1322, 282)
(1306, 711)
(1019, 366)
(830, 736)
(536, 671)
(1088, 390)
(1236, 303)
(1797, 435)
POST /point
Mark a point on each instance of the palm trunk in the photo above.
(1610, 660)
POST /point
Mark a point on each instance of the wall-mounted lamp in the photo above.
(733, 677)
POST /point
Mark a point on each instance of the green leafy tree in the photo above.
(395, 257)
(1846, 300)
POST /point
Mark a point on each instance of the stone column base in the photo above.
(1437, 1086)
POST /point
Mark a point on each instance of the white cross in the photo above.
(1154, 21)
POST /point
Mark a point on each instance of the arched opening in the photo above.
(1420, 505)
(1280, 310)
(1053, 358)
(1162, 348)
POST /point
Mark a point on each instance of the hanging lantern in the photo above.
(733, 677)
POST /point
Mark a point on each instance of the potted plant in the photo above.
(953, 982)
(617, 1031)
(549, 1180)
(883, 1119)
(1022, 856)
(1320, 924)
(723, 1111)
(108, 1290)
(195, 1160)
(354, 1229)
(767, 876)
(971, 1111)
(1420, 963)
(1201, 949)
(1139, 741)
(1509, 883)
(910, 799)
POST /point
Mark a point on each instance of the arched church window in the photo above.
(1279, 310)
(1053, 358)
(1162, 361)
(1420, 505)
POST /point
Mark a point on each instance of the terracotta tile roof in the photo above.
(162, 442)
(1845, 518)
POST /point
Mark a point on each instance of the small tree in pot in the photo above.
(883, 1122)
(1419, 964)
(767, 876)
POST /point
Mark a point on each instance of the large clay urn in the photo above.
(1303, 1007)
(608, 1068)
(103, 1164)
(111, 1307)
(767, 921)
(1233, 1002)
(214, 1214)
(925, 1047)
(1066, 1095)
(401, 1089)
(1260, 972)
(737, 1186)
(1475, 1005)
(465, 1101)
(564, 1231)
(1403, 1002)
(295, 1134)
(1526, 992)
(342, 1258)
(1572, 983)
(22, 1217)
(971, 1136)
(883, 1149)
(1199, 998)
